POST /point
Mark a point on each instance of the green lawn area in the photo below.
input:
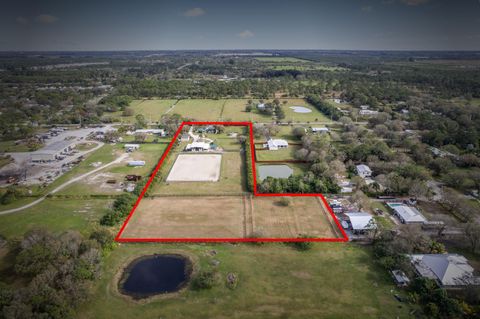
(151, 109)
(290, 115)
(199, 109)
(56, 215)
(10, 146)
(318, 67)
(278, 155)
(333, 280)
(234, 110)
(280, 59)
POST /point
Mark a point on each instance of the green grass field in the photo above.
(280, 59)
(234, 110)
(200, 110)
(56, 215)
(278, 155)
(151, 109)
(10, 146)
(275, 281)
(220, 110)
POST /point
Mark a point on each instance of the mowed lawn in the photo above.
(151, 109)
(234, 110)
(333, 280)
(56, 215)
(290, 115)
(199, 109)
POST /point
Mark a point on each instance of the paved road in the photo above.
(71, 181)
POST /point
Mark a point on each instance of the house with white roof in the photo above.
(406, 214)
(363, 171)
(448, 270)
(197, 147)
(261, 106)
(320, 130)
(360, 221)
(275, 144)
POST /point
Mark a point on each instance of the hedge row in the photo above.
(249, 165)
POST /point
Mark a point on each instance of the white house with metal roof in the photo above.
(448, 270)
(363, 171)
(320, 130)
(275, 144)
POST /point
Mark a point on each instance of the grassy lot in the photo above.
(234, 110)
(278, 155)
(318, 67)
(151, 109)
(314, 116)
(221, 110)
(199, 109)
(280, 59)
(232, 178)
(330, 281)
(10, 146)
(4, 160)
(56, 215)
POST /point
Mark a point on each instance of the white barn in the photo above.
(275, 144)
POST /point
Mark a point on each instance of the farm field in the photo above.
(151, 109)
(279, 59)
(220, 110)
(199, 109)
(187, 217)
(230, 217)
(333, 280)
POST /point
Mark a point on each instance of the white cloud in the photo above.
(246, 34)
(414, 2)
(21, 20)
(194, 12)
(46, 19)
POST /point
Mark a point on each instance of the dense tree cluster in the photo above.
(56, 269)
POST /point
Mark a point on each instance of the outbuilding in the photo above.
(275, 144)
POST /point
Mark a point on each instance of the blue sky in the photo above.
(245, 24)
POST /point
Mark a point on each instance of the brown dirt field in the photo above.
(229, 217)
(304, 216)
(187, 217)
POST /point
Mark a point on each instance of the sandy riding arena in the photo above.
(196, 168)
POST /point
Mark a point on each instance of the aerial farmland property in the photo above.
(161, 160)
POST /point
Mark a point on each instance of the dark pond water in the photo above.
(156, 274)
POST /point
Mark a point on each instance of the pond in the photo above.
(277, 171)
(300, 109)
(155, 274)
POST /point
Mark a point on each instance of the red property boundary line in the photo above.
(118, 238)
